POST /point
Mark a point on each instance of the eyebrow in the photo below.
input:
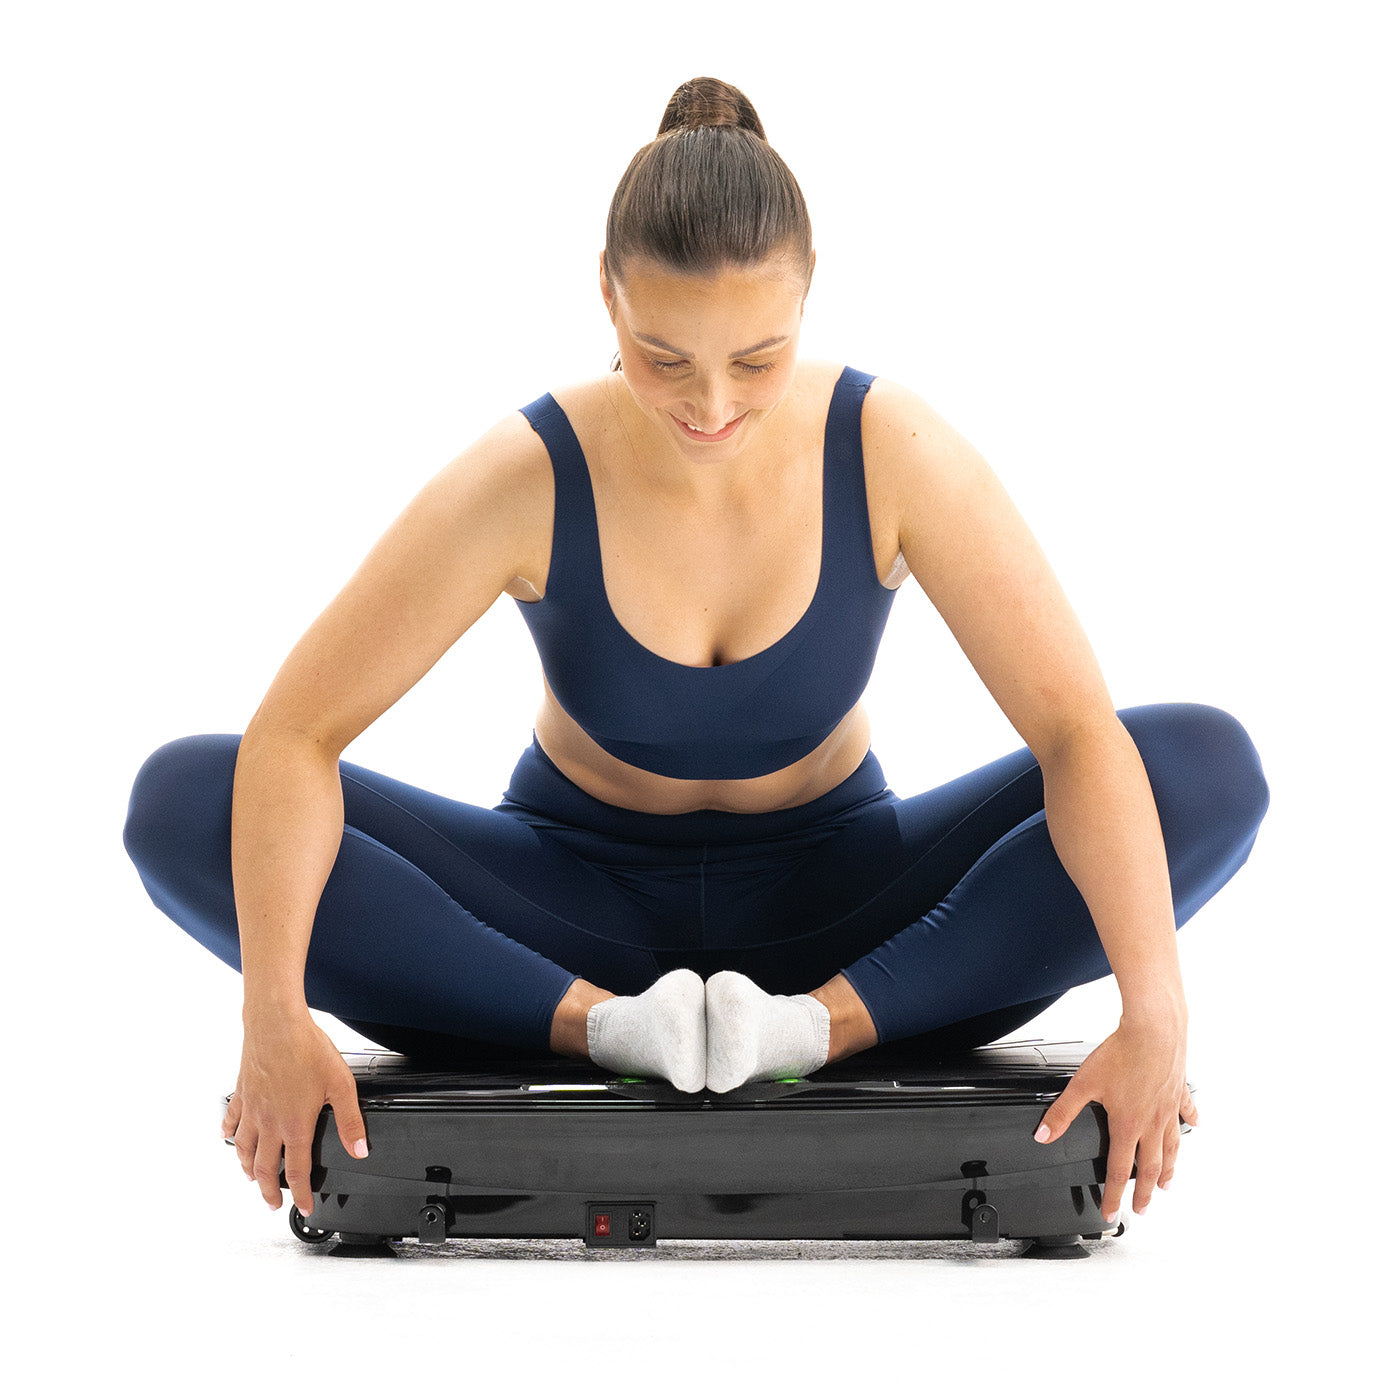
(735, 355)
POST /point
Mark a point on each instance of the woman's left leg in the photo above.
(990, 928)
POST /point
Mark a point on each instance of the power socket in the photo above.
(620, 1224)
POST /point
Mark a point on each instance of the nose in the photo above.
(708, 408)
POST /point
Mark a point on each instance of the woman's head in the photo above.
(706, 269)
(708, 193)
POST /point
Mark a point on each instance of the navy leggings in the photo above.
(452, 930)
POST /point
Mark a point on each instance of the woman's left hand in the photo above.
(1139, 1075)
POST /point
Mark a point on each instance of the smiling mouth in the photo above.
(695, 435)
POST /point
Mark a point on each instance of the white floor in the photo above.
(213, 1300)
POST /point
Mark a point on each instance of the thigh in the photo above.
(403, 845)
(571, 895)
(895, 859)
(899, 859)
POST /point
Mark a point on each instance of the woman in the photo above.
(705, 547)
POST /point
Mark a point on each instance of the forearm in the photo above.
(1103, 822)
(288, 818)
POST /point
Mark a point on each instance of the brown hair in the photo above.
(708, 192)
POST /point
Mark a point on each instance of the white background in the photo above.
(268, 267)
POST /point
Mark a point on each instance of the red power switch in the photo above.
(602, 1225)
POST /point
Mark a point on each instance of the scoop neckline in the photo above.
(782, 642)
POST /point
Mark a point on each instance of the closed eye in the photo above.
(747, 368)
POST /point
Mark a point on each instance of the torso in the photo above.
(708, 581)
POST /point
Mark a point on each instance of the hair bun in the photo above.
(709, 102)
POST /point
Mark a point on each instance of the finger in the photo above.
(298, 1173)
(1188, 1110)
(1062, 1112)
(1149, 1170)
(349, 1122)
(232, 1113)
(1121, 1146)
(1171, 1145)
(245, 1144)
(267, 1170)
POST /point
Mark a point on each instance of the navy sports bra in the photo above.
(740, 720)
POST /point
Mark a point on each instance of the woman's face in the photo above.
(708, 358)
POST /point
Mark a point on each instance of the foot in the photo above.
(752, 1035)
(659, 1034)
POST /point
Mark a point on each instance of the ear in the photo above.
(603, 284)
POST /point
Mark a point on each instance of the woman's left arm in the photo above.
(974, 557)
(1103, 823)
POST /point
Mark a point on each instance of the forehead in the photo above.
(768, 287)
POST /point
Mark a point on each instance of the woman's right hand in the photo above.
(290, 1070)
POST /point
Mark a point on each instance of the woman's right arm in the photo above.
(476, 527)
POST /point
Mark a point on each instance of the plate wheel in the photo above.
(307, 1234)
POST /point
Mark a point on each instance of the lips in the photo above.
(695, 435)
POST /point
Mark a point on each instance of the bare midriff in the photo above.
(609, 779)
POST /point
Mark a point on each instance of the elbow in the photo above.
(1071, 732)
(281, 737)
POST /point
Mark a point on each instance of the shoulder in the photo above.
(931, 486)
(916, 458)
(901, 427)
(590, 405)
(502, 482)
(509, 457)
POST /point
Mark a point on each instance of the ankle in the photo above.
(568, 1032)
(852, 1029)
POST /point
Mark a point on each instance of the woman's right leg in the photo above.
(407, 936)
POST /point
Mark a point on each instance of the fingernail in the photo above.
(1164, 1185)
(1042, 1133)
(361, 1148)
(1111, 1219)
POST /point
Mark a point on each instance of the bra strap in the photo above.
(576, 561)
(847, 514)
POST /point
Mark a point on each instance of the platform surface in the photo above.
(1015, 1072)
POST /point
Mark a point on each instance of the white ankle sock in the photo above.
(660, 1033)
(752, 1035)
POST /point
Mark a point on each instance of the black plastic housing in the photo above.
(877, 1147)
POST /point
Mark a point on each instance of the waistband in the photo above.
(538, 785)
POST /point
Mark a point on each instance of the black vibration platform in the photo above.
(882, 1146)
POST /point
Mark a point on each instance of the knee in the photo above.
(1204, 769)
(181, 790)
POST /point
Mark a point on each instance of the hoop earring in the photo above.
(616, 361)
